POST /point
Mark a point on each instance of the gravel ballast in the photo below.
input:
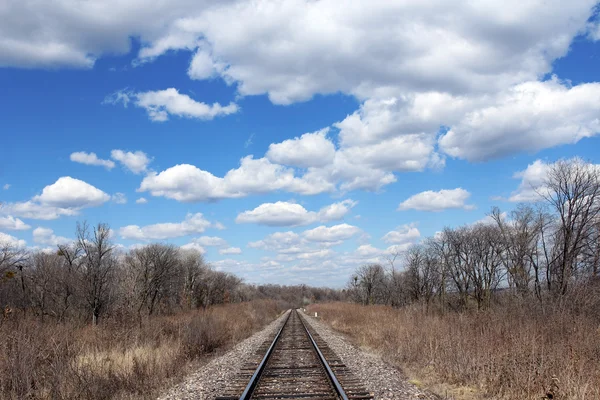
(210, 380)
(379, 377)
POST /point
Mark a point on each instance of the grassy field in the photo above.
(118, 360)
(504, 353)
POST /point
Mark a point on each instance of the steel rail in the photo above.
(248, 391)
(256, 376)
(338, 388)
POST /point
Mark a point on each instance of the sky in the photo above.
(288, 141)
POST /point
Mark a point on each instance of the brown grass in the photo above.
(504, 353)
(116, 360)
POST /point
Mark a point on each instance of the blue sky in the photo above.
(288, 141)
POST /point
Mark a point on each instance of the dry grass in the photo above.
(116, 360)
(510, 352)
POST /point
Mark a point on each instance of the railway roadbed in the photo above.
(297, 364)
(358, 372)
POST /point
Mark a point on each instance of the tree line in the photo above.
(544, 251)
(91, 278)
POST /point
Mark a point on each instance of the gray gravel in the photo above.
(379, 377)
(210, 380)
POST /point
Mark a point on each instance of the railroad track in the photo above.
(297, 364)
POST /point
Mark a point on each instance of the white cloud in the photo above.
(336, 211)
(532, 182)
(72, 193)
(209, 241)
(34, 210)
(367, 251)
(137, 162)
(533, 179)
(331, 234)
(437, 201)
(482, 46)
(47, 237)
(188, 183)
(6, 186)
(67, 196)
(160, 104)
(231, 250)
(278, 241)
(402, 234)
(528, 117)
(195, 247)
(284, 213)
(309, 150)
(91, 159)
(141, 200)
(119, 198)
(12, 223)
(193, 223)
(280, 213)
(6, 239)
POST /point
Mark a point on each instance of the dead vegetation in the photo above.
(115, 360)
(508, 352)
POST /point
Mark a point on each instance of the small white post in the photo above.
(315, 314)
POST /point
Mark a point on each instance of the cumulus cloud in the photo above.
(437, 201)
(309, 150)
(136, 162)
(47, 237)
(160, 104)
(91, 159)
(331, 234)
(480, 47)
(193, 223)
(66, 197)
(532, 182)
(141, 200)
(284, 213)
(188, 183)
(209, 241)
(13, 224)
(6, 239)
(73, 193)
(528, 117)
(231, 250)
(402, 234)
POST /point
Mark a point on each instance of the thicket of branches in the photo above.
(546, 251)
(91, 278)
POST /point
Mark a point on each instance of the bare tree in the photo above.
(193, 268)
(572, 189)
(155, 269)
(69, 275)
(97, 267)
(372, 282)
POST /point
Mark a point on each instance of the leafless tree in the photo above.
(155, 267)
(371, 281)
(97, 267)
(572, 189)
